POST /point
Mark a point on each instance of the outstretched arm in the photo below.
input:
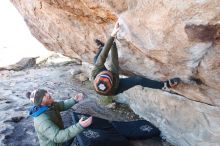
(114, 59)
(57, 135)
(68, 103)
(104, 53)
(127, 83)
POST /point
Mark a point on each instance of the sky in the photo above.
(16, 41)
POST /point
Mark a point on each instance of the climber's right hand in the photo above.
(85, 123)
(115, 30)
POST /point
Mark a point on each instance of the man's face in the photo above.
(47, 100)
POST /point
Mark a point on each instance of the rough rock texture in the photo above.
(158, 39)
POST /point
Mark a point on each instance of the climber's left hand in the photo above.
(116, 29)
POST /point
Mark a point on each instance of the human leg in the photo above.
(127, 83)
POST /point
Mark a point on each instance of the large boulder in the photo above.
(158, 39)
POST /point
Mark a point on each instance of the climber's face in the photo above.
(47, 100)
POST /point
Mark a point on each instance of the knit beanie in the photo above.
(36, 96)
(103, 82)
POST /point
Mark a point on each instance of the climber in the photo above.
(47, 119)
(107, 82)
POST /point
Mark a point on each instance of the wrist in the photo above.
(80, 126)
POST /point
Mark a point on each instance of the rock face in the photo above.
(22, 64)
(158, 39)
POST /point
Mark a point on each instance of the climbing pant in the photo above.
(127, 83)
(114, 65)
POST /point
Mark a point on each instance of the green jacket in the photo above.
(114, 68)
(49, 125)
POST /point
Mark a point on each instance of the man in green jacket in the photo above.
(47, 119)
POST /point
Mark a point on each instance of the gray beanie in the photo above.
(37, 96)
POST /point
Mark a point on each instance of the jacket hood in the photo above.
(35, 111)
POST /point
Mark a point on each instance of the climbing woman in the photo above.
(107, 82)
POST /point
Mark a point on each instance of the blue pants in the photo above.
(127, 83)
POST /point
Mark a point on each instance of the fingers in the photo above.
(116, 29)
(116, 24)
(79, 97)
(85, 123)
(80, 120)
(89, 120)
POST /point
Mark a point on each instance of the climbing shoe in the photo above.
(171, 83)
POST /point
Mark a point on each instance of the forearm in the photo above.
(114, 59)
(104, 53)
(68, 103)
(68, 133)
(50, 130)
